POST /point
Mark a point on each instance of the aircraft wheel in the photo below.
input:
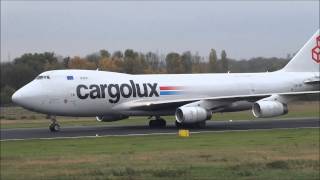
(200, 125)
(179, 125)
(159, 123)
(152, 123)
(54, 127)
(162, 123)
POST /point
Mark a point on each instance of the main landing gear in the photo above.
(54, 126)
(158, 122)
(198, 125)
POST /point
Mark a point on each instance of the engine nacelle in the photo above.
(264, 109)
(192, 114)
(110, 118)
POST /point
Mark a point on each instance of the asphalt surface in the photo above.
(104, 130)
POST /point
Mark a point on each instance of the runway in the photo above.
(107, 130)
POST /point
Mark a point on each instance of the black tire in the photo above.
(178, 124)
(198, 125)
(160, 123)
(54, 127)
(152, 124)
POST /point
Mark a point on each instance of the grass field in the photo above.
(270, 154)
(16, 117)
(273, 154)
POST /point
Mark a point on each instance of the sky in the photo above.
(244, 29)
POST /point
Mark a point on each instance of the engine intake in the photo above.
(264, 109)
(192, 114)
(110, 118)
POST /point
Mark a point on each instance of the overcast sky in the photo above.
(244, 29)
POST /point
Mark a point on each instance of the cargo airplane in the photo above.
(192, 98)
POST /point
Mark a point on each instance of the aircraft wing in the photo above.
(313, 81)
(174, 103)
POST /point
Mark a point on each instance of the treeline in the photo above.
(23, 69)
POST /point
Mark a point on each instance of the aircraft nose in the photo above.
(27, 96)
(15, 97)
(19, 97)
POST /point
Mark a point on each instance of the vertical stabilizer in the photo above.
(308, 57)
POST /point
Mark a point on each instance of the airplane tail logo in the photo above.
(316, 51)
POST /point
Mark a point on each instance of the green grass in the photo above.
(17, 117)
(273, 154)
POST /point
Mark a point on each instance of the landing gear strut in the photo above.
(54, 126)
(158, 122)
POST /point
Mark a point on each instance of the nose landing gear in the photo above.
(54, 126)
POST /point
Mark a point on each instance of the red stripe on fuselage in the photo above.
(170, 88)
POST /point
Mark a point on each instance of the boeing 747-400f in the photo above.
(192, 98)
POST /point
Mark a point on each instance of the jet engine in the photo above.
(264, 109)
(192, 114)
(110, 118)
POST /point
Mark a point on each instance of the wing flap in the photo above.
(313, 81)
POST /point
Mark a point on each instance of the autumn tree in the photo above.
(65, 61)
(37, 60)
(28, 66)
(144, 65)
(173, 63)
(186, 62)
(104, 53)
(224, 61)
(108, 64)
(133, 62)
(153, 61)
(198, 64)
(79, 63)
(117, 58)
(93, 58)
(212, 67)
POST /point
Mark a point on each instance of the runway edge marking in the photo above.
(210, 122)
(153, 134)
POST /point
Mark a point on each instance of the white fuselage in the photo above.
(96, 93)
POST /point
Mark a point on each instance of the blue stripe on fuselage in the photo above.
(170, 92)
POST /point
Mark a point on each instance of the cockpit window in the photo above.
(42, 77)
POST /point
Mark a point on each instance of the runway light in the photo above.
(230, 120)
(97, 135)
(184, 133)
